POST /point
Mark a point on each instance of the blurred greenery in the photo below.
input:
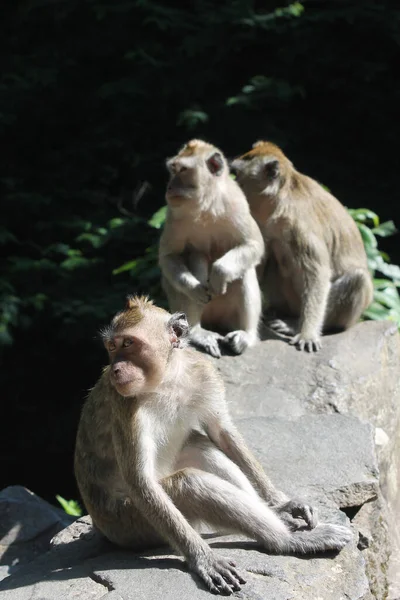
(386, 301)
(71, 507)
(94, 95)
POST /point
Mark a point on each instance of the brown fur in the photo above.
(316, 267)
(153, 463)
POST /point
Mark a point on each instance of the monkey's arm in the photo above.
(316, 285)
(233, 265)
(224, 434)
(135, 451)
(179, 275)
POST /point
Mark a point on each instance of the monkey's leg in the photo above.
(201, 338)
(206, 497)
(201, 453)
(246, 295)
(349, 296)
(275, 289)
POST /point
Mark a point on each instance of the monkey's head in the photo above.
(194, 172)
(140, 341)
(262, 170)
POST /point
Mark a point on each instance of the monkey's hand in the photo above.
(219, 279)
(220, 575)
(297, 509)
(199, 294)
(304, 341)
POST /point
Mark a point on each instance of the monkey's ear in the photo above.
(179, 329)
(271, 169)
(215, 163)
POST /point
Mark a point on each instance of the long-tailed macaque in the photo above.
(315, 262)
(209, 250)
(157, 453)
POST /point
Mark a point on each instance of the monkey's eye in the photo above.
(127, 342)
(111, 346)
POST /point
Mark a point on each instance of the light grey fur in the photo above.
(208, 253)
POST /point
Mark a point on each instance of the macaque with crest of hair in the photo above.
(209, 250)
(157, 454)
(315, 266)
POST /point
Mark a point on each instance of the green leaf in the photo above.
(388, 297)
(128, 266)
(71, 507)
(392, 271)
(376, 312)
(368, 237)
(385, 229)
(158, 219)
(362, 215)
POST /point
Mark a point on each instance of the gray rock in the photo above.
(27, 524)
(356, 372)
(330, 456)
(294, 410)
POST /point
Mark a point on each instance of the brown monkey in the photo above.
(315, 264)
(209, 249)
(157, 453)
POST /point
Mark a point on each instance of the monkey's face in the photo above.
(258, 174)
(192, 176)
(139, 355)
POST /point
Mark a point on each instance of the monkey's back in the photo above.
(315, 223)
(95, 464)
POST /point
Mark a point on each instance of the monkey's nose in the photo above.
(116, 369)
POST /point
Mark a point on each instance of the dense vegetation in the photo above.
(94, 95)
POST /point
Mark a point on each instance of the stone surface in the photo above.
(314, 422)
(27, 524)
(299, 457)
(356, 372)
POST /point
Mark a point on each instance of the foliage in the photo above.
(386, 302)
(71, 507)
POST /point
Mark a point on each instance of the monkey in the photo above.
(208, 251)
(315, 265)
(157, 454)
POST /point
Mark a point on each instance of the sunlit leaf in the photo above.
(385, 229)
(71, 507)
(158, 219)
(362, 215)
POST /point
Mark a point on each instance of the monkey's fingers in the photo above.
(219, 584)
(311, 345)
(310, 515)
(280, 326)
(213, 348)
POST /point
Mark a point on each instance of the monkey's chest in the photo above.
(171, 436)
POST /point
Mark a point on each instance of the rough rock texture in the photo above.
(300, 457)
(27, 524)
(298, 413)
(356, 372)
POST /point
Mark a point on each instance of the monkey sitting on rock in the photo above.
(157, 453)
(315, 263)
(209, 250)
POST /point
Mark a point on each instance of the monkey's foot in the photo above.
(311, 343)
(239, 340)
(220, 575)
(293, 510)
(206, 341)
(281, 327)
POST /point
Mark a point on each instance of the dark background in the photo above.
(94, 96)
